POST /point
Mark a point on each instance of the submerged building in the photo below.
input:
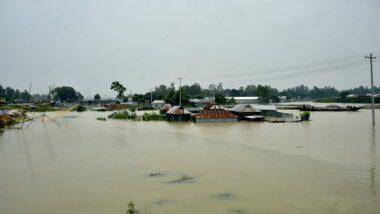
(178, 114)
(215, 114)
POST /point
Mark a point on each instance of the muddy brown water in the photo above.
(327, 165)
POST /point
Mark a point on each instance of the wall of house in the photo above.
(216, 120)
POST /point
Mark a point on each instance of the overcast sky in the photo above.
(87, 44)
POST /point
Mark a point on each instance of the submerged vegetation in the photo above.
(80, 108)
(101, 118)
(123, 115)
(152, 116)
(131, 208)
(305, 116)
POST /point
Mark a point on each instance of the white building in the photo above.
(158, 104)
(244, 100)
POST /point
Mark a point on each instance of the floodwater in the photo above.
(328, 165)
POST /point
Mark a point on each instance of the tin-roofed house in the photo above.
(243, 110)
(215, 114)
(165, 108)
(247, 112)
(178, 114)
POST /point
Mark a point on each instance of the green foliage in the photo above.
(123, 115)
(119, 88)
(80, 108)
(101, 118)
(264, 93)
(97, 97)
(131, 208)
(152, 116)
(139, 98)
(220, 99)
(12, 95)
(66, 94)
(305, 116)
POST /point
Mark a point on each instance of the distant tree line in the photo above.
(265, 92)
(14, 95)
(64, 94)
(171, 94)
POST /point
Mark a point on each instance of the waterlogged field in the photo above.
(327, 165)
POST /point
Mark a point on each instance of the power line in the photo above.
(294, 67)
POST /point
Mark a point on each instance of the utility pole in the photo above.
(371, 57)
(180, 91)
(151, 97)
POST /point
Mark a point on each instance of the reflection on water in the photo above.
(372, 170)
(327, 165)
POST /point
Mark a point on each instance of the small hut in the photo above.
(165, 108)
(178, 114)
(215, 114)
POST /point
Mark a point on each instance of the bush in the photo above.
(152, 116)
(305, 116)
(79, 108)
(123, 115)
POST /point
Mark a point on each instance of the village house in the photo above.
(215, 114)
(158, 104)
(178, 114)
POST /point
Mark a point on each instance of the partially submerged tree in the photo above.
(119, 88)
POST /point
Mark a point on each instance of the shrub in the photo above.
(152, 116)
(123, 115)
(305, 116)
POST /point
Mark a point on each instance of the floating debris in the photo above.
(182, 179)
(156, 174)
(224, 196)
(101, 118)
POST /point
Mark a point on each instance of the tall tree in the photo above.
(66, 94)
(220, 99)
(119, 88)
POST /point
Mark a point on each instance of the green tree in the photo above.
(2, 92)
(66, 94)
(184, 97)
(170, 96)
(220, 99)
(119, 88)
(264, 93)
(97, 97)
(25, 96)
(140, 98)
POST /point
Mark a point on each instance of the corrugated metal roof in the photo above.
(244, 108)
(215, 113)
(158, 101)
(178, 110)
(253, 108)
